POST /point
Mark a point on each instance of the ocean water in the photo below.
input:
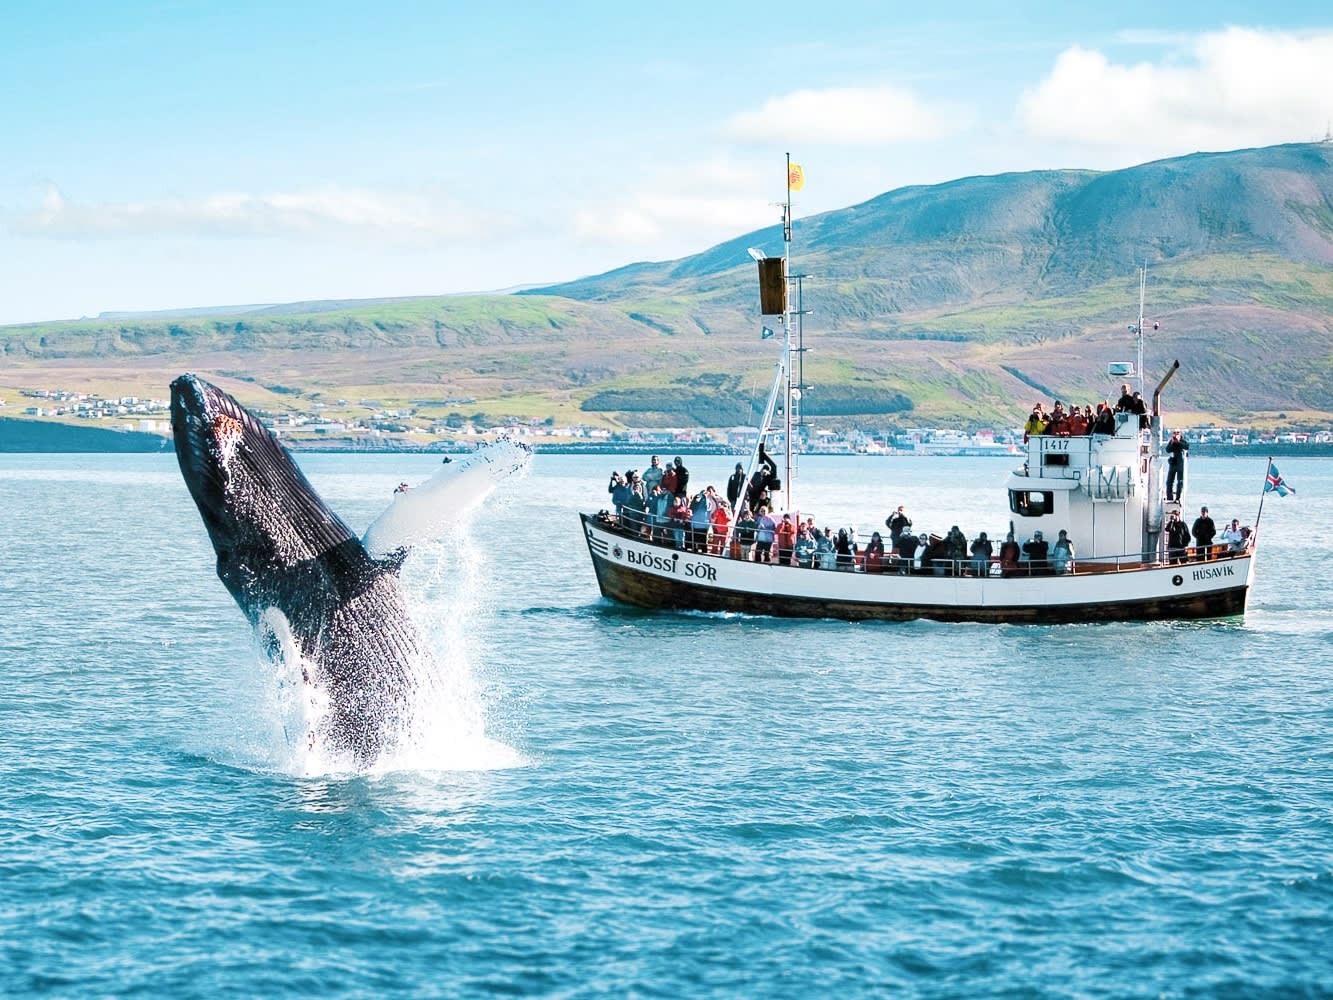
(611, 802)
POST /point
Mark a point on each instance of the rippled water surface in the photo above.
(617, 802)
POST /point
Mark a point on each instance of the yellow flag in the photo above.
(795, 177)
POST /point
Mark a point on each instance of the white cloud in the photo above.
(1237, 87)
(866, 116)
(320, 214)
(695, 203)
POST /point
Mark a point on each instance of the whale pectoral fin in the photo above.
(424, 513)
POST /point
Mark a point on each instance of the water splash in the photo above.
(444, 726)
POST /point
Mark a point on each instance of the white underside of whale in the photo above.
(426, 512)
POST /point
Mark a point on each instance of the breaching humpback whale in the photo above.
(294, 567)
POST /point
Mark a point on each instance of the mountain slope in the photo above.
(941, 303)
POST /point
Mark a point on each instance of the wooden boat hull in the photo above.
(636, 572)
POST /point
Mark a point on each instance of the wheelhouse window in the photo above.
(1031, 503)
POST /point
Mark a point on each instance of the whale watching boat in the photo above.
(1106, 490)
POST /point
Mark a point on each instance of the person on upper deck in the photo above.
(1176, 450)
(1036, 423)
(1140, 409)
(1058, 425)
(1078, 422)
(1104, 421)
(1126, 402)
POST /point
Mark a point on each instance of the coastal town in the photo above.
(369, 425)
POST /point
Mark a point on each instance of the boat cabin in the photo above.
(1101, 488)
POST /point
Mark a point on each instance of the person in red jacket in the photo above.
(786, 540)
(721, 520)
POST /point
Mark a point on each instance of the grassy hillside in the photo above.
(950, 303)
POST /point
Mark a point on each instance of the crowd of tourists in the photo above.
(1081, 420)
(658, 505)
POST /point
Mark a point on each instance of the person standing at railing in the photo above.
(805, 548)
(1062, 554)
(1104, 421)
(659, 507)
(872, 559)
(764, 531)
(1036, 549)
(1036, 423)
(1009, 553)
(721, 521)
(745, 529)
(1203, 531)
(786, 539)
(1232, 536)
(1177, 538)
(981, 555)
(619, 490)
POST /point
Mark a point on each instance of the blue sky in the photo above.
(177, 154)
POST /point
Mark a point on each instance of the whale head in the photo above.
(260, 511)
(245, 484)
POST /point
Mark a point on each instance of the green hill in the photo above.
(943, 303)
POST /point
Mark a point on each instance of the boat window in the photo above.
(1031, 503)
(1055, 458)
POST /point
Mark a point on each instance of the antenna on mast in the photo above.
(1143, 287)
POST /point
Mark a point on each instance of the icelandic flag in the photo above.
(1275, 483)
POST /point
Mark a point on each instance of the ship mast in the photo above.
(786, 337)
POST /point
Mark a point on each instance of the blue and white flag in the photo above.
(1275, 483)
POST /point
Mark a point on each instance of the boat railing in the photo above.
(707, 542)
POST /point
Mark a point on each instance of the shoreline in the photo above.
(25, 436)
